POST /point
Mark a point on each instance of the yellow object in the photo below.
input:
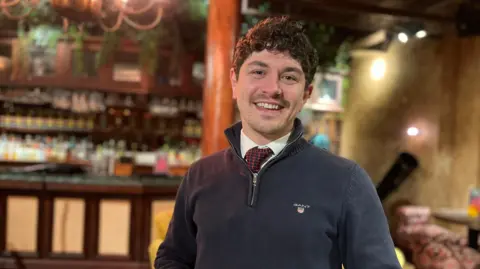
(400, 257)
(472, 211)
(162, 220)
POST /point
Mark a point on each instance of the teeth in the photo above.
(268, 106)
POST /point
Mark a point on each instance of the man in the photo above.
(273, 200)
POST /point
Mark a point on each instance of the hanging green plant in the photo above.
(320, 36)
(45, 36)
(43, 13)
(78, 37)
(110, 44)
(40, 39)
(149, 44)
(342, 58)
(251, 20)
(197, 9)
(20, 55)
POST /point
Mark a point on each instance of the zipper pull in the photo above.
(254, 180)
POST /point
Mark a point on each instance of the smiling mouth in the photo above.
(269, 106)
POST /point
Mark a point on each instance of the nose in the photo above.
(271, 85)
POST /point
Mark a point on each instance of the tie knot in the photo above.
(255, 157)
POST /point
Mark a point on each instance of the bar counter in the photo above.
(80, 221)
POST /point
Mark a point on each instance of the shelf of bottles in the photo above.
(97, 129)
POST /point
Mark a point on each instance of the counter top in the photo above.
(103, 184)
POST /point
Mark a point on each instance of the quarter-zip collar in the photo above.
(233, 134)
(294, 145)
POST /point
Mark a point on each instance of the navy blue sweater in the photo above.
(309, 209)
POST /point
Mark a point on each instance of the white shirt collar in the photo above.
(276, 146)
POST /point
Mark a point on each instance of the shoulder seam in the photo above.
(347, 190)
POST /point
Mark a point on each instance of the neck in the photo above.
(262, 139)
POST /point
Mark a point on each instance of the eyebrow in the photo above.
(287, 69)
(293, 69)
(258, 63)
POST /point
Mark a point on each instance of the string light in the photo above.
(118, 11)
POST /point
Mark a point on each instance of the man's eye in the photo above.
(289, 78)
(257, 72)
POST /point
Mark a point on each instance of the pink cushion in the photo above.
(432, 246)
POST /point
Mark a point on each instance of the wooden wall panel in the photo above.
(22, 220)
(430, 84)
(114, 228)
(68, 225)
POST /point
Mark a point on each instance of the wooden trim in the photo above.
(93, 188)
(20, 185)
(136, 217)
(73, 264)
(92, 215)
(3, 221)
(147, 216)
(112, 258)
(26, 255)
(45, 225)
(77, 83)
(70, 256)
(66, 189)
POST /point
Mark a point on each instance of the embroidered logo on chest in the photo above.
(301, 208)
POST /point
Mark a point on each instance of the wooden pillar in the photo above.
(222, 29)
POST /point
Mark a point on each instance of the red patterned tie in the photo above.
(256, 156)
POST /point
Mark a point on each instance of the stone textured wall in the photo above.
(434, 85)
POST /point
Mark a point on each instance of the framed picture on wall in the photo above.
(327, 92)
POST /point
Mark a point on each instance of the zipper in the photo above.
(255, 176)
(254, 189)
(252, 174)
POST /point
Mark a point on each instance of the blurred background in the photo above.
(104, 104)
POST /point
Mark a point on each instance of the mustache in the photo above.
(265, 98)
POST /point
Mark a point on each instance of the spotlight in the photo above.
(413, 131)
(421, 34)
(406, 31)
(403, 37)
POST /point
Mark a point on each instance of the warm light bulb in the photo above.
(421, 34)
(413, 131)
(377, 71)
(403, 37)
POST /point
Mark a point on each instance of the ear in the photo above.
(233, 81)
(307, 93)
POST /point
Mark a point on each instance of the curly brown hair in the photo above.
(279, 34)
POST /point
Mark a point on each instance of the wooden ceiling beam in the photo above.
(358, 7)
(430, 5)
(328, 17)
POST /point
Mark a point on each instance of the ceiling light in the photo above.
(413, 131)
(421, 34)
(403, 37)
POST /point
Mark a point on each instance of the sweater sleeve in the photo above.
(365, 240)
(178, 250)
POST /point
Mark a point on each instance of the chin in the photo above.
(270, 129)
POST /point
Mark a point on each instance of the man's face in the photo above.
(270, 91)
